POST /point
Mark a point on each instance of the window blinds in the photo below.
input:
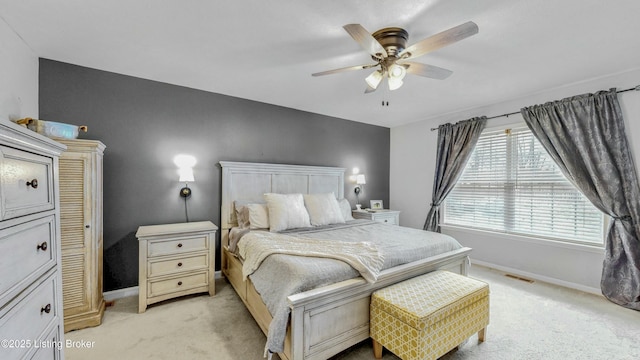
(510, 184)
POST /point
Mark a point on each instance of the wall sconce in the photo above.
(185, 165)
(186, 175)
(360, 182)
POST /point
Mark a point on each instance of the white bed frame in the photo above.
(326, 320)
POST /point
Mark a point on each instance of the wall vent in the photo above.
(519, 278)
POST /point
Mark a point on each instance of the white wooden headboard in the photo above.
(245, 181)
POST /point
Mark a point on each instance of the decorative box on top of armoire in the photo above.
(81, 223)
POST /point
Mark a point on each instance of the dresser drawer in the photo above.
(177, 284)
(177, 264)
(49, 346)
(177, 246)
(26, 183)
(31, 248)
(26, 318)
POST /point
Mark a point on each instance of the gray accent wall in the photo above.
(145, 123)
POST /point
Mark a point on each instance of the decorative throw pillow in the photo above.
(286, 211)
(242, 214)
(258, 216)
(345, 208)
(323, 209)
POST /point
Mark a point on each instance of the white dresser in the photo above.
(81, 235)
(175, 260)
(391, 217)
(30, 277)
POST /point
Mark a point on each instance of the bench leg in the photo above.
(481, 334)
(377, 349)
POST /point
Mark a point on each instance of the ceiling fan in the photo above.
(388, 49)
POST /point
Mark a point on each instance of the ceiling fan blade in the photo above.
(425, 70)
(366, 41)
(439, 40)
(350, 68)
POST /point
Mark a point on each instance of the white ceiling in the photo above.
(266, 50)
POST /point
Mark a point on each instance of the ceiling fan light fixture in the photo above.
(374, 79)
(394, 83)
(397, 72)
(388, 46)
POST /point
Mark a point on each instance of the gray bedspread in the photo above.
(282, 275)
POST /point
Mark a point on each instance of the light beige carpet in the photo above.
(528, 321)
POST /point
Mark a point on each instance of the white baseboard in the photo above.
(120, 293)
(533, 276)
(132, 291)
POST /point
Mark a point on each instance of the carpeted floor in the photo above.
(528, 321)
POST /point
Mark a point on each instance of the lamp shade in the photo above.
(360, 180)
(397, 72)
(184, 161)
(374, 79)
(186, 174)
(394, 83)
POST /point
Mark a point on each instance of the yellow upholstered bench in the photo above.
(427, 316)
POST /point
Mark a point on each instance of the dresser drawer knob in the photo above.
(33, 183)
(179, 264)
(42, 246)
(179, 245)
(179, 283)
(46, 309)
(385, 220)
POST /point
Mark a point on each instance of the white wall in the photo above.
(18, 77)
(413, 163)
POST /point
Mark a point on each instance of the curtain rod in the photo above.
(637, 88)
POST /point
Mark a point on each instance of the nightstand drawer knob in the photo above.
(46, 309)
(179, 283)
(386, 220)
(179, 245)
(42, 246)
(179, 264)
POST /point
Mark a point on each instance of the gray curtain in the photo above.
(585, 136)
(455, 145)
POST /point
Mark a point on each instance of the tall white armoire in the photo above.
(81, 223)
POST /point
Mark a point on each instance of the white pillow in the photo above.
(345, 208)
(323, 209)
(258, 216)
(286, 211)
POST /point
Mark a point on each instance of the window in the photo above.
(510, 184)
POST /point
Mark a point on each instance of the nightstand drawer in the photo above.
(27, 183)
(177, 284)
(177, 246)
(32, 249)
(390, 217)
(391, 220)
(175, 260)
(177, 264)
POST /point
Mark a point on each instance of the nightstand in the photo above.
(175, 260)
(391, 217)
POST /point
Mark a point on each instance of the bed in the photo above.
(326, 320)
